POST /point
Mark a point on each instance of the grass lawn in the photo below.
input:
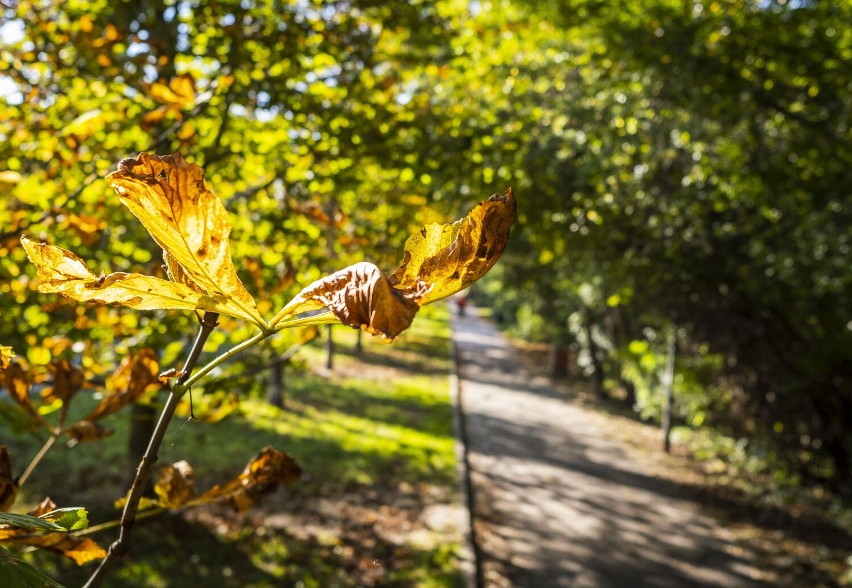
(377, 504)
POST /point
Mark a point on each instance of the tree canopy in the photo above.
(679, 166)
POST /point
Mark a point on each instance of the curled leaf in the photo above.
(67, 381)
(8, 485)
(362, 297)
(14, 379)
(174, 486)
(172, 199)
(62, 272)
(261, 477)
(134, 376)
(81, 550)
(439, 261)
(451, 257)
(45, 506)
(84, 431)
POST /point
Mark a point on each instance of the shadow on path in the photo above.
(556, 503)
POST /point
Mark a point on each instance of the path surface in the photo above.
(558, 503)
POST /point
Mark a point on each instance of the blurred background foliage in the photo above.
(679, 164)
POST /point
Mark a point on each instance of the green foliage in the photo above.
(17, 574)
(679, 163)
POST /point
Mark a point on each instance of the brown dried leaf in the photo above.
(47, 505)
(362, 297)
(174, 485)
(172, 199)
(261, 477)
(451, 257)
(8, 485)
(14, 379)
(67, 381)
(84, 431)
(134, 376)
(80, 550)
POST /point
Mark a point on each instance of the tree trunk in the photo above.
(597, 364)
(668, 387)
(558, 361)
(276, 387)
(329, 349)
(142, 420)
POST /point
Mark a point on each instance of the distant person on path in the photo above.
(461, 303)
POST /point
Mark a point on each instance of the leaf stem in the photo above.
(116, 522)
(120, 546)
(228, 355)
(35, 461)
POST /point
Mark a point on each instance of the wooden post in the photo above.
(276, 388)
(329, 349)
(668, 388)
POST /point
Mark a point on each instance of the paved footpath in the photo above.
(558, 503)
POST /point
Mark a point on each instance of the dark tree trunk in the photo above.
(558, 361)
(594, 353)
(142, 420)
(329, 349)
(276, 387)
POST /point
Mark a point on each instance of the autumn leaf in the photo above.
(174, 486)
(439, 261)
(8, 485)
(67, 381)
(261, 477)
(87, 228)
(50, 530)
(84, 431)
(451, 257)
(174, 203)
(62, 272)
(45, 506)
(178, 94)
(362, 297)
(135, 375)
(14, 379)
(6, 355)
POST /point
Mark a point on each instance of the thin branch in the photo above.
(228, 355)
(120, 546)
(41, 453)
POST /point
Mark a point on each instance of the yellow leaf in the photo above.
(180, 92)
(451, 257)
(62, 272)
(172, 199)
(134, 376)
(6, 355)
(80, 550)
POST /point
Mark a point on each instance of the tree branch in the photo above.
(120, 546)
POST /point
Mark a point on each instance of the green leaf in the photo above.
(16, 574)
(72, 518)
(29, 522)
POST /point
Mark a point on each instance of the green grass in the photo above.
(374, 438)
